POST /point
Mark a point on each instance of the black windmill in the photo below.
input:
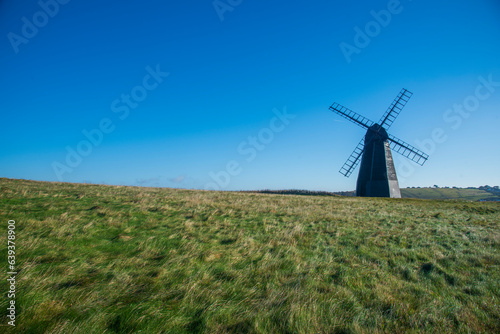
(377, 175)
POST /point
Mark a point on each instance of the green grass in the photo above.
(107, 259)
(447, 193)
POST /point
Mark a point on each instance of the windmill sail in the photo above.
(353, 161)
(408, 151)
(351, 116)
(395, 108)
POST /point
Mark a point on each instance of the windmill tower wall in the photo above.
(377, 175)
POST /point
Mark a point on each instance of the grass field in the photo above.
(107, 259)
(447, 193)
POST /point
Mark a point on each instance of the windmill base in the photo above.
(377, 175)
(382, 189)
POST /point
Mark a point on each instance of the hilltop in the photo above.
(116, 259)
(485, 193)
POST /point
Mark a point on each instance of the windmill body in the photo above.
(377, 175)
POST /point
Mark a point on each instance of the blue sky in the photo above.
(195, 94)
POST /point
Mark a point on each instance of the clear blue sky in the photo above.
(232, 66)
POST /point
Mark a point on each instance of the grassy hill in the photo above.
(107, 259)
(448, 193)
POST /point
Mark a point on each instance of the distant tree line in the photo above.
(302, 192)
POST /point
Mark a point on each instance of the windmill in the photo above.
(377, 175)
